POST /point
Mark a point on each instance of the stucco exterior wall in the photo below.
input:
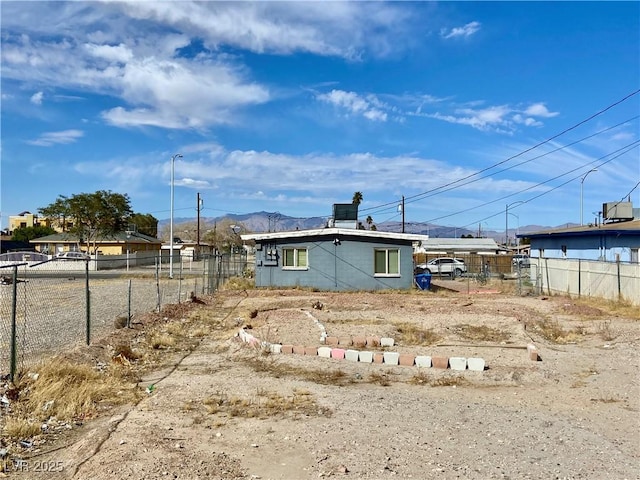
(344, 265)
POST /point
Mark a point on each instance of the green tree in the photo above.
(94, 215)
(146, 224)
(24, 234)
(357, 198)
(58, 213)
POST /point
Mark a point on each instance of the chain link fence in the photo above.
(44, 309)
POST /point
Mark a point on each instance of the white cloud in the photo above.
(355, 104)
(36, 98)
(539, 110)
(502, 118)
(464, 31)
(49, 139)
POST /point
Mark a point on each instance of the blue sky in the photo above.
(460, 107)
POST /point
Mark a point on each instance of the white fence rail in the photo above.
(577, 277)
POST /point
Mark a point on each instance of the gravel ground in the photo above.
(226, 411)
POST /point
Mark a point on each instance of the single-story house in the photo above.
(334, 258)
(604, 241)
(119, 243)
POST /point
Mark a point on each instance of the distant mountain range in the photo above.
(276, 222)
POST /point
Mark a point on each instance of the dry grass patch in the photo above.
(412, 334)
(161, 340)
(20, 428)
(480, 333)
(239, 283)
(381, 379)
(422, 378)
(266, 363)
(554, 332)
(265, 404)
(67, 391)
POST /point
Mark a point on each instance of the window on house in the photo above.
(294, 258)
(387, 262)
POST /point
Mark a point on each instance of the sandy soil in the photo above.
(223, 410)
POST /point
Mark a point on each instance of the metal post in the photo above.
(88, 302)
(173, 161)
(129, 305)
(14, 307)
(582, 189)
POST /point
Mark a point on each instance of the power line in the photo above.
(628, 148)
(573, 127)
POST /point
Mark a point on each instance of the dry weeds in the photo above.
(480, 333)
(265, 404)
(412, 334)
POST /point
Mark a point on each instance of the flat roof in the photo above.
(333, 231)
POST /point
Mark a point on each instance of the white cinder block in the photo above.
(365, 357)
(324, 352)
(475, 364)
(423, 361)
(351, 355)
(391, 358)
(457, 363)
(386, 342)
(275, 348)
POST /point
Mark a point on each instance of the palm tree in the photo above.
(357, 198)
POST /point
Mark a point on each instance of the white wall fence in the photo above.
(588, 278)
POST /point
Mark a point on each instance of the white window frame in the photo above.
(386, 273)
(295, 266)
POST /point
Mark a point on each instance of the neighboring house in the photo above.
(27, 219)
(334, 259)
(116, 244)
(606, 241)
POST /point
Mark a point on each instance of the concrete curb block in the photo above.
(311, 351)
(324, 352)
(275, 348)
(440, 362)
(298, 349)
(286, 349)
(423, 361)
(475, 364)
(351, 355)
(406, 359)
(532, 351)
(386, 342)
(457, 363)
(391, 358)
(365, 357)
(337, 353)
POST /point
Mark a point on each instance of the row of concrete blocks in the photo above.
(359, 342)
(388, 358)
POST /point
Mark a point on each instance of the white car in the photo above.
(444, 266)
(72, 256)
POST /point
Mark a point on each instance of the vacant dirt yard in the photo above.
(216, 408)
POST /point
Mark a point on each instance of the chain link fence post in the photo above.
(14, 327)
(88, 302)
(129, 304)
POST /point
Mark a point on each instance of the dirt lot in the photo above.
(219, 409)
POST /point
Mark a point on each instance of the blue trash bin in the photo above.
(423, 280)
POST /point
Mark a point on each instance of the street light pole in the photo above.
(173, 160)
(506, 221)
(581, 191)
